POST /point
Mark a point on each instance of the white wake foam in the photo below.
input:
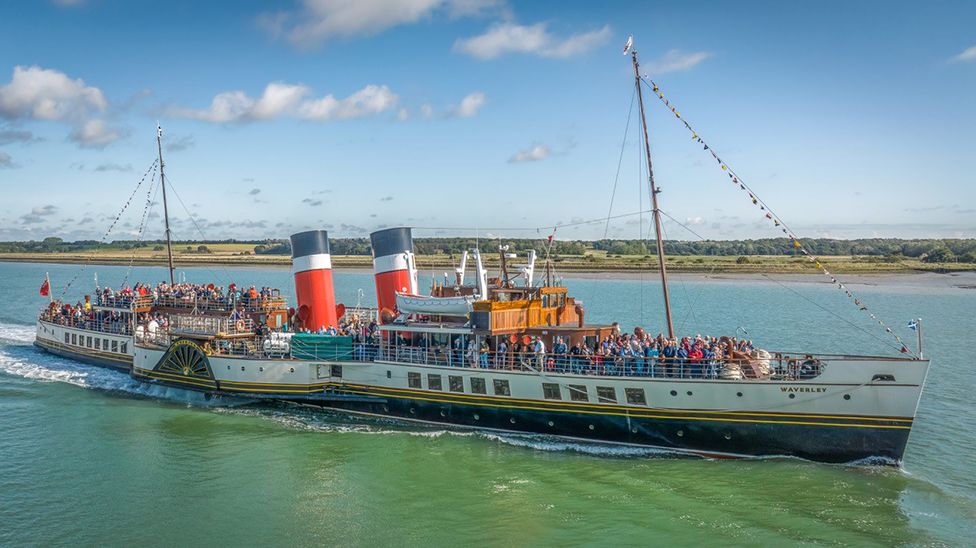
(18, 357)
(335, 422)
(548, 443)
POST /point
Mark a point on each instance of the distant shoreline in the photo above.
(715, 268)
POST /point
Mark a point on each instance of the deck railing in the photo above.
(789, 367)
(100, 326)
(778, 367)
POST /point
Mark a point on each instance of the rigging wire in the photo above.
(620, 161)
(146, 213)
(535, 228)
(777, 220)
(862, 329)
(701, 289)
(223, 279)
(103, 239)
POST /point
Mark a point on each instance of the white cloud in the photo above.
(426, 110)
(319, 21)
(968, 54)
(35, 93)
(694, 221)
(470, 105)
(535, 39)
(531, 154)
(277, 99)
(111, 166)
(676, 60)
(348, 18)
(46, 94)
(366, 102)
(477, 8)
(403, 115)
(281, 99)
(95, 134)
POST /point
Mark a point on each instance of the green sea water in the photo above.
(88, 456)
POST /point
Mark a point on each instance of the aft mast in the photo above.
(162, 181)
(654, 191)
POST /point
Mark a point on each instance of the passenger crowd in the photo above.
(186, 294)
(632, 354)
(82, 316)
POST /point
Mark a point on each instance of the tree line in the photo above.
(933, 250)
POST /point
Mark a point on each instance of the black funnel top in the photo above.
(313, 242)
(391, 241)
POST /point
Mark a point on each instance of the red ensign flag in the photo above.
(45, 288)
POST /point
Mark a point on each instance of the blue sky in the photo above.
(851, 119)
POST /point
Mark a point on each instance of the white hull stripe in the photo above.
(390, 263)
(322, 261)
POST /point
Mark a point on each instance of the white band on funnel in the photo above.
(321, 261)
(391, 263)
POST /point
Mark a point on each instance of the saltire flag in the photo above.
(913, 325)
(630, 44)
(46, 288)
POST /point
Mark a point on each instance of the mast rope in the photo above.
(772, 217)
(102, 240)
(700, 291)
(200, 230)
(620, 161)
(146, 211)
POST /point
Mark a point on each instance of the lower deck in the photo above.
(832, 418)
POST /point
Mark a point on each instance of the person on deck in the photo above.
(539, 347)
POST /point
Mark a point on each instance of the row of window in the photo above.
(96, 343)
(550, 391)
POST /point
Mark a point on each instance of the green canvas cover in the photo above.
(309, 346)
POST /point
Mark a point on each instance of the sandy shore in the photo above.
(906, 279)
(960, 280)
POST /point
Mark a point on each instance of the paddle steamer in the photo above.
(490, 354)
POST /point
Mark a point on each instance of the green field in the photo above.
(187, 254)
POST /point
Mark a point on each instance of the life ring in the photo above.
(240, 325)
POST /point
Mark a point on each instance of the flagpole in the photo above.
(654, 190)
(162, 183)
(918, 324)
(50, 294)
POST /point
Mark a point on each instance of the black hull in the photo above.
(718, 439)
(117, 363)
(743, 434)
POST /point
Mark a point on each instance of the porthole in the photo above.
(592, 427)
(674, 392)
(738, 394)
(681, 433)
(552, 424)
(847, 396)
(242, 368)
(412, 410)
(689, 392)
(386, 408)
(634, 429)
(292, 369)
(443, 413)
(389, 374)
(228, 368)
(512, 420)
(792, 396)
(728, 436)
(260, 369)
(476, 417)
